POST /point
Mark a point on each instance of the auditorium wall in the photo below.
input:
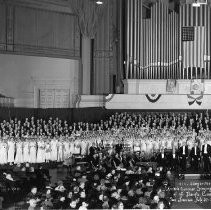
(44, 28)
(23, 76)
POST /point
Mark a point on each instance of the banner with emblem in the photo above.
(197, 86)
(171, 85)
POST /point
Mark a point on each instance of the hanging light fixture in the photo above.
(99, 2)
(196, 4)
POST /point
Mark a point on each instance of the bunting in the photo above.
(193, 99)
(153, 97)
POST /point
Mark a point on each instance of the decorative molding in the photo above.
(39, 50)
(61, 6)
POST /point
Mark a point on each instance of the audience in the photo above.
(115, 150)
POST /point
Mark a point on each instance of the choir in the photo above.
(39, 141)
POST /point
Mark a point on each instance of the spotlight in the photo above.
(196, 4)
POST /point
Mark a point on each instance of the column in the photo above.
(86, 65)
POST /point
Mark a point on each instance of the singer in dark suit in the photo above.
(162, 159)
(206, 153)
(195, 157)
(183, 155)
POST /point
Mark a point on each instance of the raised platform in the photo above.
(158, 86)
(159, 102)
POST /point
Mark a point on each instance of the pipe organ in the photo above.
(155, 48)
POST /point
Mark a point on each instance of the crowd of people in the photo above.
(134, 188)
(39, 141)
(115, 149)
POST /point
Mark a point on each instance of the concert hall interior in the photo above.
(105, 104)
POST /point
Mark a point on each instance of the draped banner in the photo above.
(193, 99)
(153, 97)
(171, 85)
(197, 86)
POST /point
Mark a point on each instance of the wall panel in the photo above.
(29, 29)
(46, 32)
(3, 26)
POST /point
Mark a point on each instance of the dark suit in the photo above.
(183, 157)
(161, 160)
(205, 156)
(195, 156)
(173, 161)
(119, 148)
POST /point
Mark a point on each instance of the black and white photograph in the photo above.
(105, 104)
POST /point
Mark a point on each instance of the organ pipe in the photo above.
(135, 38)
(208, 41)
(155, 49)
(180, 45)
(131, 39)
(205, 41)
(127, 40)
(138, 40)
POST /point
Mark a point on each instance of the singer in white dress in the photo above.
(11, 151)
(60, 156)
(47, 151)
(66, 148)
(3, 152)
(19, 152)
(54, 149)
(26, 157)
(40, 151)
(143, 146)
(32, 151)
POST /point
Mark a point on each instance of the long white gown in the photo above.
(40, 152)
(143, 146)
(137, 145)
(60, 156)
(47, 151)
(156, 145)
(66, 149)
(71, 147)
(84, 147)
(26, 157)
(169, 143)
(77, 148)
(3, 153)
(33, 151)
(54, 149)
(11, 151)
(19, 152)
